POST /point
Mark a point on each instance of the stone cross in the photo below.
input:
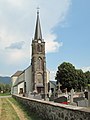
(71, 97)
(59, 90)
(50, 93)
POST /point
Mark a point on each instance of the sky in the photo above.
(65, 28)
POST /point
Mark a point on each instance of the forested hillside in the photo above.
(5, 80)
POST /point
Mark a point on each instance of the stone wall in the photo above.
(54, 111)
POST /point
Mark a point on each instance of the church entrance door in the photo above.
(40, 89)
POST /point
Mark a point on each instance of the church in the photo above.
(35, 78)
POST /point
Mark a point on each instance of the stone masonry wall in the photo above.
(54, 111)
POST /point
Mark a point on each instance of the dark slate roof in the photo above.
(53, 82)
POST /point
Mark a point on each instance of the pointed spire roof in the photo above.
(38, 34)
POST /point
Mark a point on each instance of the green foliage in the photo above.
(81, 79)
(5, 94)
(70, 77)
(87, 75)
(6, 88)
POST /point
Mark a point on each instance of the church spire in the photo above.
(38, 34)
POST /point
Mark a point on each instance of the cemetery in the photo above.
(58, 106)
(81, 99)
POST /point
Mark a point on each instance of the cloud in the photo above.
(51, 44)
(52, 75)
(17, 45)
(16, 56)
(85, 69)
(17, 21)
(17, 18)
(16, 3)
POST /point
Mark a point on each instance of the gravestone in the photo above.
(76, 99)
(61, 99)
(82, 103)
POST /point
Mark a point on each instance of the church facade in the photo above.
(35, 78)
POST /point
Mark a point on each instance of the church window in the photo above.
(39, 64)
(39, 48)
(40, 78)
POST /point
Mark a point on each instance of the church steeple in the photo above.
(38, 33)
(39, 75)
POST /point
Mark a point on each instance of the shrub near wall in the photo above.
(54, 111)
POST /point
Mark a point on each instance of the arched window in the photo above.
(39, 64)
(39, 48)
(39, 79)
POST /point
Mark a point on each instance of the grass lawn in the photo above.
(4, 94)
(28, 115)
(10, 109)
(7, 111)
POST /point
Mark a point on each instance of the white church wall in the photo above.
(21, 77)
(21, 86)
(28, 79)
(13, 80)
(15, 90)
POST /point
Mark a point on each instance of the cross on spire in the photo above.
(38, 10)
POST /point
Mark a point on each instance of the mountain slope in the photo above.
(5, 80)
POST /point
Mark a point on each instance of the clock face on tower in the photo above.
(39, 41)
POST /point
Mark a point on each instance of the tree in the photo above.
(5, 87)
(2, 87)
(87, 75)
(66, 75)
(70, 77)
(81, 79)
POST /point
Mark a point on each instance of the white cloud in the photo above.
(52, 75)
(16, 3)
(17, 21)
(51, 44)
(16, 56)
(85, 69)
(16, 45)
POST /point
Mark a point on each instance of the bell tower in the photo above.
(38, 62)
